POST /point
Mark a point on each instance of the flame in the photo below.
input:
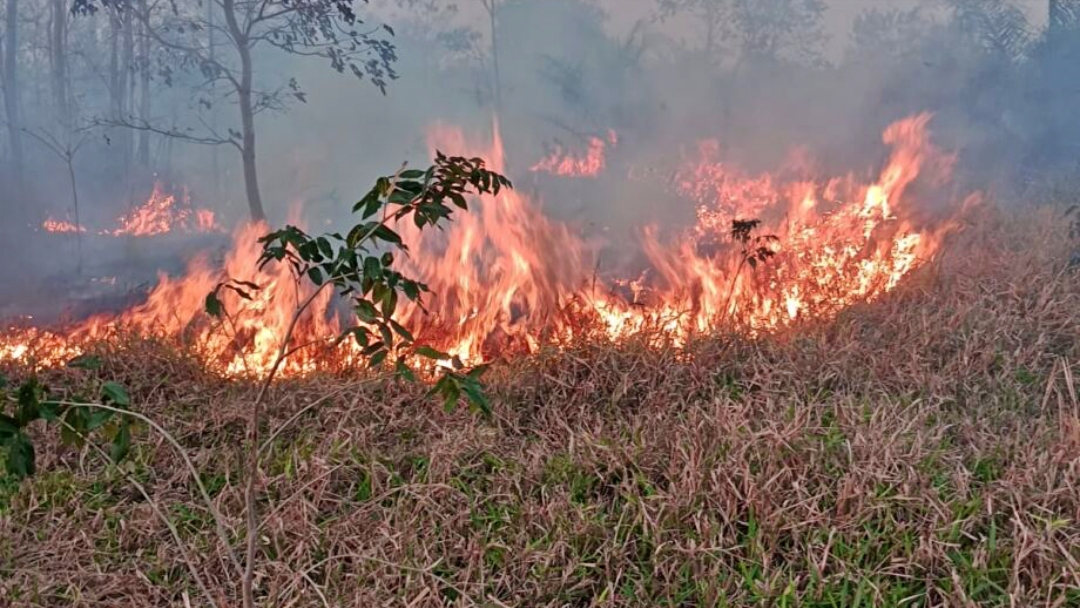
(61, 226)
(564, 164)
(161, 213)
(507, 279)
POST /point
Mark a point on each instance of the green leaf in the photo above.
(8, 427)
(213, 305)
(52, 410)
(325, 247)
(388, 235)
(28, 403)
(70, 437)
(121, 445)
(401, 331)
(315, 275)
(91, 362)
(403, 371)
(389, 303)
(96, 418)
(377, 358)
(373, 268)
(431, 353)
(387, 336)
(458, 200)
(447, 387)
(20, 456)
(411, 174)
(474, 393)
(400, 196)
(72, 432)
(366, 311)
(360, 334)
(115, 393)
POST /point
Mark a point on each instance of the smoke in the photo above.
(776, 78)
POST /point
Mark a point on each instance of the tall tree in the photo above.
(10, 81)
(144, 83)
(998, 26)
(326, 29)
(779, 30)
(713, 16)
(491, 7)
(58, 53)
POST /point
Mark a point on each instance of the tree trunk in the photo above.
(127, 87)
(247, 121)
(144, 81)
(215, 155)
(495, 58)
(11, 109)
(247, 113)
(58, 56)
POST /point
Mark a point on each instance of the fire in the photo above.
(505, 278)
(61, 226)
(564, 164)
(161, 213)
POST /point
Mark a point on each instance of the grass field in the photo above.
(922, 450)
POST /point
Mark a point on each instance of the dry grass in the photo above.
(920, 451)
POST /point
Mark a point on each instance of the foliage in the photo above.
(31, 401)
(760, 30)
(755, 249)
(359, 265)
(778, 30)
(998, 26)
(327, 29)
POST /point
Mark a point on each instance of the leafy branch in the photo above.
(359, 267)
(755, 249)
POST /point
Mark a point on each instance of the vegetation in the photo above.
(359, 267)
(917, 452)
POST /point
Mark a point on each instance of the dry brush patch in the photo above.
(923, 450)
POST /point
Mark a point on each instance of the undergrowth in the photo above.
(922, 450)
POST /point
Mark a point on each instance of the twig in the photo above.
(157, 511)
(219, 519)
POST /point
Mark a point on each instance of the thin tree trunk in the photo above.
(215, 155)
(247, 113)
(144, 73)
(495, 55)
(127, 87)
(75, 202)
(11, 107)
(58, 46)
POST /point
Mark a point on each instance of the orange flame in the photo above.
(61, 226)
(161, 213)
(564, 164)
(505, 278)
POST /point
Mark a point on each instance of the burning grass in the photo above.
(921, 450)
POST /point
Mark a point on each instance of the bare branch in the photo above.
(142, 125)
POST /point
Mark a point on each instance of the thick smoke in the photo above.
(761, 78)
